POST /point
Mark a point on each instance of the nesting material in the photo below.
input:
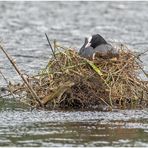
(73, 82)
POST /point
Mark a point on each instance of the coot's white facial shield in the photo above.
(89, 40)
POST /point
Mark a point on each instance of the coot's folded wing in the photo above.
(86, 52)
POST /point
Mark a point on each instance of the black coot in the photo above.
(96, 44)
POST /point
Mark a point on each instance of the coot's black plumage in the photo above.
(95, 43)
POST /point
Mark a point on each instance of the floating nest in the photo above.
(70, 81)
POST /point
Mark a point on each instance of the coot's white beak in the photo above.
(87, 45)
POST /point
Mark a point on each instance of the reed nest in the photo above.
(70, 81)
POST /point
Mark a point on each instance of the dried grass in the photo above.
(70, 81)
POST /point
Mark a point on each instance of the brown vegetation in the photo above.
(73, 82)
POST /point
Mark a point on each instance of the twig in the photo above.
(7, 84)
(50, 46)
(137, 56)
(141, 53)
(54, 44)
(146, 74)
(33, 93)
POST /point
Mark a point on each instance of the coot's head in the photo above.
(94, 41)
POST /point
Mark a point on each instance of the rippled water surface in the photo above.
(22, 28)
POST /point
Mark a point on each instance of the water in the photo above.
(22, 29)
(22, 127)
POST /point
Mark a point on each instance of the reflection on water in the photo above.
(76, 134)
(22, 29)
(23, 127)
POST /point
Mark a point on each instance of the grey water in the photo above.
(22, 33)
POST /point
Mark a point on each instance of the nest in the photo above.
(73, 82)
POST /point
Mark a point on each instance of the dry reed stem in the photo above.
(34, 95)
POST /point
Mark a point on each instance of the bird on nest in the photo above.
(96, 45)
